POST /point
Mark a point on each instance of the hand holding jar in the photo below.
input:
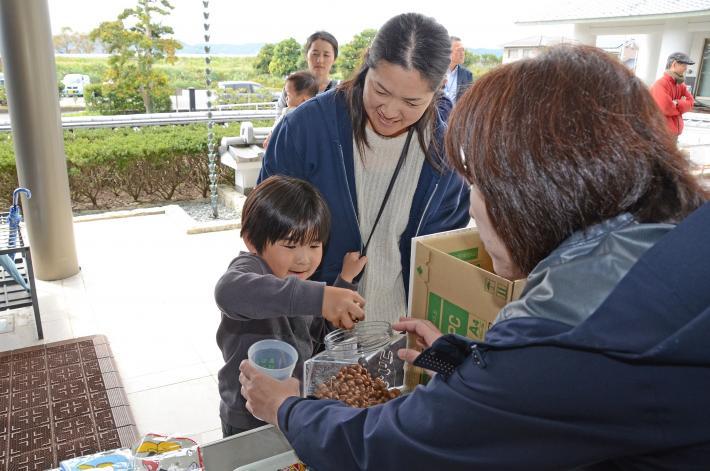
(424, 331)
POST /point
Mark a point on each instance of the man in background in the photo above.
(671, 94)
(458, 77)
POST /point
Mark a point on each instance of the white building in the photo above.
(529, 47)
(660, 26)
(625, 49)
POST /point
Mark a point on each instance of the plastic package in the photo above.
(152, 453)
(155, 452)
(117, 460)
(371, 344)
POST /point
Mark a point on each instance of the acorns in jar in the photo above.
(354, 386)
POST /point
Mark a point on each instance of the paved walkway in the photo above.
(148, 286)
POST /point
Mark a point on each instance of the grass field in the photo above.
(185, 72)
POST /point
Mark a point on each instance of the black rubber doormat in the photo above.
(61, 400)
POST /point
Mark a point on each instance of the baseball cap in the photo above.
(681, 58)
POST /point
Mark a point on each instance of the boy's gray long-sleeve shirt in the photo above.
(257, 305)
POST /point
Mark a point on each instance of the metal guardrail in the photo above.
(701, 120)
(266, 105)
(157, 119)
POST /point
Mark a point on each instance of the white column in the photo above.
(676, 38)
(33, 102)
(584, 35)
(649, 50)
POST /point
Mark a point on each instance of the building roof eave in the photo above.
(616, 19)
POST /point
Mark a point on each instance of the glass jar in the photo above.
(371, 344)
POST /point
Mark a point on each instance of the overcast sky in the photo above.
(487, 24)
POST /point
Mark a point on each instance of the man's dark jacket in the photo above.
(464, 79)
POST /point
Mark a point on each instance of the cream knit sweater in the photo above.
(381, 284)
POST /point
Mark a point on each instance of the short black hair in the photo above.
(325, 36)
(285, 208)
(304, 82)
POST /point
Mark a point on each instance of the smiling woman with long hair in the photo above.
(374, 149)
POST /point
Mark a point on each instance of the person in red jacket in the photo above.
(671, 94)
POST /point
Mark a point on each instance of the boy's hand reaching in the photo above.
(342, 307)
(353, 264)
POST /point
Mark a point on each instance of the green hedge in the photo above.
(107, 101)
(143, 162)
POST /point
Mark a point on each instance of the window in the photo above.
(703, 88)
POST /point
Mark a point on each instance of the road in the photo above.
(66, 104)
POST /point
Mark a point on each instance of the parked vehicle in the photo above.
(233, 91)
(74, 84)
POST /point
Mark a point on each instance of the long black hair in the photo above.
(414, 42)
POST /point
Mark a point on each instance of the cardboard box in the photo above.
(452, 284)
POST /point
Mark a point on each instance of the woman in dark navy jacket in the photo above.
(603, 362)
(383, 128)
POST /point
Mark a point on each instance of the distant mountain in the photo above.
(480, 50)
(250, 49)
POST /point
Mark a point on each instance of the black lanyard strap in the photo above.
(397, 169)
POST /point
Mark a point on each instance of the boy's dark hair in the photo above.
(549, 164)
(285, 208)
(304, 82)
(325, 36)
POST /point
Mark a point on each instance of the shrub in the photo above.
(139, 162)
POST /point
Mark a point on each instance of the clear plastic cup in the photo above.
(275, 358)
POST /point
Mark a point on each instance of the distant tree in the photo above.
(481, 64)
(490, 59)
(286, 58)
(263, 58)
(69, 41)
(352, 53)
(135, 42)
(470, 59)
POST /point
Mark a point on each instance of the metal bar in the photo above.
(33, 292)
(159, 119)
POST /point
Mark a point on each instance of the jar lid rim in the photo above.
(365, 337)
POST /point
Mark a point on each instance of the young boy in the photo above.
(265, 292)
(300, 86)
